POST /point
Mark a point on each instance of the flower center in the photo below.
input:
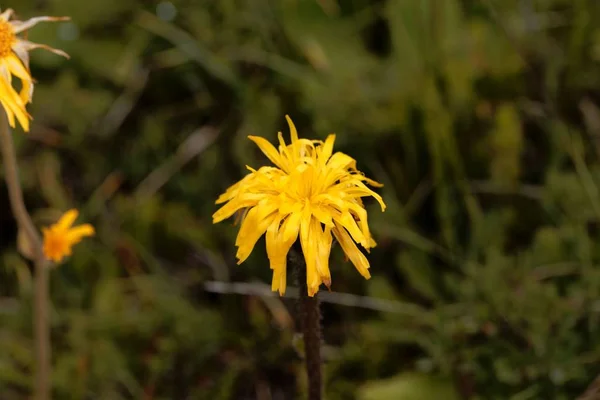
(304, 183)
(55, 245)
(7, 38)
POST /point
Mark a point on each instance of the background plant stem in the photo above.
(592, 392)
(310, 321)
(41, 302)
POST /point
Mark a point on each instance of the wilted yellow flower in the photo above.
(14, 62)
(61, 237)
(311, 193)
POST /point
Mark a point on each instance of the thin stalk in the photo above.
(310, 322)
(41, 301)
(592, 392)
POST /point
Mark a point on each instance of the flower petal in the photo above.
(5, 16)
(324, 240)
(293, 131)
(16, 68)
(255, 224)
(274, 242)
(67, 219)
(347, 221)
(354, 254)
(277, 251)
(76, 234)
(309, 242)
(279, 282)
(355, 188)
(245, 200)
(20, 26)
(323, 214)
(326, 150)
(28, 46)
(269, 150)
(13, 105)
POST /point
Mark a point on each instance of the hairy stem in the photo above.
(310, 321)
(41, 301)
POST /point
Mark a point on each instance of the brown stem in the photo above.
(41, 303)
(310, 321)
(592, 392)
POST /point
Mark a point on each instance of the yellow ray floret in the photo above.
(14, 62)
(311, 194)
(60, 238)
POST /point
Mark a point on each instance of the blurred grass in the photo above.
(480, 117)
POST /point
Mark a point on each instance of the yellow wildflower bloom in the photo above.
(311, 193)
(14, 61)
(61, 237)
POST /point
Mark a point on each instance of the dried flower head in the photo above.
(14, 62)
(61, 237)
(312, 193)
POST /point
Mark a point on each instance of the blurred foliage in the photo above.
(409, 387)
(480, 117)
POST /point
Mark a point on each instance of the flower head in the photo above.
(14, 61)
(311, 193)
(61, 237)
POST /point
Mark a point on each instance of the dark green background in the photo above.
(480, 117)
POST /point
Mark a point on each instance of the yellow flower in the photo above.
(14, 61)
(61, 237)
(311, 193)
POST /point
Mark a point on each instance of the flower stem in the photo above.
(592, 392)
(24, 222)
(310, 321)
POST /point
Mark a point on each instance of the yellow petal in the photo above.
(79, 232)
(234, 189)
(274, 242)
(269, 150)
(9, 114)
(354, 254)
(360, 214)
(251, 230)
(283, 148)
(372, 182)
(278, 246)
(16, 67)
(313, 289)
(291, 226)
(6, 14)
(341, 161)
(67, 219)
(13, 105)
(279, 280)
(26, 93)
(253, 217)
(332, 202)
(326, 150)
(355, 188)
(293, 131)
(309, 242)
(282, 281)
(324, 240)
(246, 200)
(348, 222)
(20, 113)
(323, 214)
(277, 253)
